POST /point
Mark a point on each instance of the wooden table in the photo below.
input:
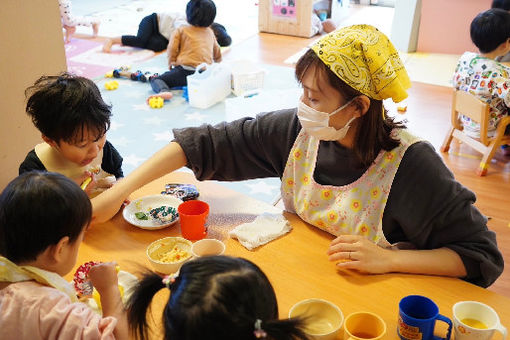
(296, 264)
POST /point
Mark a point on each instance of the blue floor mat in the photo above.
(138, 131)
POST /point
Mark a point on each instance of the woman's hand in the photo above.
(356, 252)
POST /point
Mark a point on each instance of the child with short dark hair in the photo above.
(73, 119)
(43, 219)
(155, 30)
(480, 74)
(503, 4)
(214, 298)
(190, 45)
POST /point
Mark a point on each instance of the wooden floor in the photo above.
(428, 116)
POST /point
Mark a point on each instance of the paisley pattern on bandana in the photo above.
(365, 59)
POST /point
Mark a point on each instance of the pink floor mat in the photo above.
(85, 58)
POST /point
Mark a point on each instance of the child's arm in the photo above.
(173, 48)
(216, 52)
(107, 204)
(104, 278)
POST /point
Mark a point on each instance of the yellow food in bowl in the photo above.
(175, 255)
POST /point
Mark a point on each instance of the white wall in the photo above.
(31, 45)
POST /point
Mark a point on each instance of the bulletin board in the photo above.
(284, 8)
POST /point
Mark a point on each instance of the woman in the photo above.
(346, 167)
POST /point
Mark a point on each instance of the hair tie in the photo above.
(259, 332)
(169, 279)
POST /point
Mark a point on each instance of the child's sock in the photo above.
(506, 149)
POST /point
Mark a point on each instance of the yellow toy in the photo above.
(109, 74)
(156, 102)
(111, 85)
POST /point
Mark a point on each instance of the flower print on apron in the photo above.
(353, 209)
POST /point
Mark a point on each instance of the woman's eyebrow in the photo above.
(309, 88)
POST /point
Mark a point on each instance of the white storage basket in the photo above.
(210, 86)
(246, 76)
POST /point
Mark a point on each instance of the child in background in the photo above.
(214, 298)
(190, 46)
(155, 30)
(73, 119)
(69, 21)
(503, 4)
(480, 74)
(43, 219)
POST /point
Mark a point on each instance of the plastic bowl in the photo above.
(159, 247)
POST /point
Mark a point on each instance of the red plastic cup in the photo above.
(192, 216)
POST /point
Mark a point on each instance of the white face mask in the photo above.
(316, 123)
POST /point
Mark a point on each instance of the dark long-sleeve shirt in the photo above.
(426, 205)
(111, 162)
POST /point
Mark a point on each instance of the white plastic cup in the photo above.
(207, 247)
(476, 321)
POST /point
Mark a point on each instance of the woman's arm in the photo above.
(428, 208)
(169, 158)
(365, 256)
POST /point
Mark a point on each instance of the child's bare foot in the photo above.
(70, 30)
(95, 29)
(164, 95)
(107, 46)
(328, 25)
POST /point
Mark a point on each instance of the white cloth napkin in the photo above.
(264, 229)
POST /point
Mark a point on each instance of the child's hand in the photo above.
(106, 182)
(104, 277)
(87, 185)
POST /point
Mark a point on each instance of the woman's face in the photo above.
(321, 96)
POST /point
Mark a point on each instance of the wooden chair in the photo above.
(470, 106)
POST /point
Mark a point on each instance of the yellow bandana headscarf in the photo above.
(366, 60)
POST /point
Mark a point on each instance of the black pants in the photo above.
(148, 35)
(173, 78)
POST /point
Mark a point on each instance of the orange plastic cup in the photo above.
(192, 216)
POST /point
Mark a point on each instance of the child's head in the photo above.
(200, 12)
(215, 297)
(503, 4)
(38, 210)
(71, 115)
(490, 29)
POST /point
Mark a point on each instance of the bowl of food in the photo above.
(152, 212)
(168, 254)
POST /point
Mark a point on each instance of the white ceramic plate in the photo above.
(145, 204)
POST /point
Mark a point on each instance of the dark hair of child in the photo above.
(200, 12)
(38, 209)
(214, 298)
(503, 4)
(490, 29)
(375, 122)
(63, 106)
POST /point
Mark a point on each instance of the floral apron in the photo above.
(354, 209)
